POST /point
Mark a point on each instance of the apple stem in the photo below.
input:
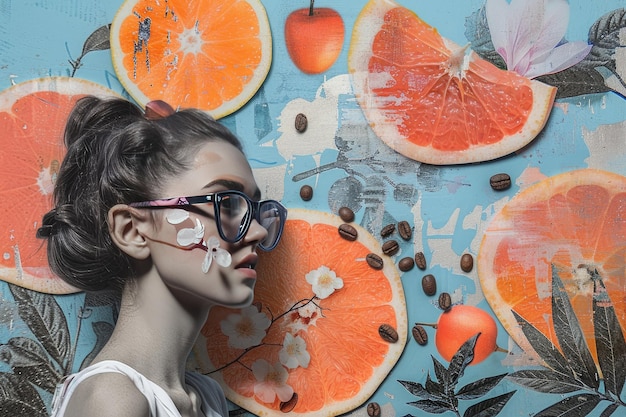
(311, 8)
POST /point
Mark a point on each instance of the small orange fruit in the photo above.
(428, 99)
(210, 54)
(32, 121)
(459, 324)
(342, 357)
(314, 38)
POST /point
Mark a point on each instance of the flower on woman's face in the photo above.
(187, 236)
(271, 381)
(528, 34)
(246, 329)
(294, 353)
(221, 256)
(324, 281)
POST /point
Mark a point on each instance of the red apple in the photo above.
(314, 38)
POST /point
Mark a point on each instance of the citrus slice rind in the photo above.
(428, 99)
(572, 221)
(213, 56)
(348, 357)
(32, 120)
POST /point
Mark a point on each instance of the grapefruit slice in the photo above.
(347, 357)
(212, 54)
(429, 100)
(574, 221)
(32, 121)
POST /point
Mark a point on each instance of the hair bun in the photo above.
(48, 228)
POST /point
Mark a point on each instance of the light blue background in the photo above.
(37, 38)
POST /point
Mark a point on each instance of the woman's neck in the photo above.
(156, 330)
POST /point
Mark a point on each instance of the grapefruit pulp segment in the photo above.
(573, 222)
(348, 358)
(212, 55)
(430, 99)
(32, 118)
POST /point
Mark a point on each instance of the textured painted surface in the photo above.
(347, 165)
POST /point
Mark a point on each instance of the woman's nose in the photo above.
(256, 232)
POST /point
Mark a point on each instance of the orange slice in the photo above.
(574, 221)
(32, 121)
(348, 359)
(429, 100)
(210, 54)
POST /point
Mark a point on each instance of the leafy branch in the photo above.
(440, 395)
(97, 41)
(572, 369)
(42, 361)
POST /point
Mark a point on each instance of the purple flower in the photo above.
(528, 34)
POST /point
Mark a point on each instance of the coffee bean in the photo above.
(445, 301)
(301, 122)
(346, 214)
(388, 230)
(373, 410)
(374, 261)
(405, 230)
(467, 262)
(306, 192)
(388, 333)
(420, 335)
(420, 260)
(406, 264)
(287, 406)
(348, 232)
(429, 284)
(390, 247)
(500, 182)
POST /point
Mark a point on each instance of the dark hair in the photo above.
(114, 155)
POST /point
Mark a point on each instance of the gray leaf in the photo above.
(574, 406)
(46, 320)
(489, 407)
(570, 334)
(19, 398)
(605, 30)
(546, 381)
(31, 362)
(610, 342)
(98, 40)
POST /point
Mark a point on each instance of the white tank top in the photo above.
(161, 405)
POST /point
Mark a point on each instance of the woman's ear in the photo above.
(125, 226)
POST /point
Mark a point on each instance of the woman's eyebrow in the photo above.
(233, 185)
(228, 184)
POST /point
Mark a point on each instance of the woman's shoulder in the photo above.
(106, 395)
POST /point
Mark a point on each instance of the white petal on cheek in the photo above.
(222, 257)
(199, 230)
(177, 216)
(186, 237)
(206, 264)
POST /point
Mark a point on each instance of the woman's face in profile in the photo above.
(223, 274)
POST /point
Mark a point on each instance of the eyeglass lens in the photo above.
(235, 211)
(269, 218)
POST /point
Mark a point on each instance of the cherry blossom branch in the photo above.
(297, 305)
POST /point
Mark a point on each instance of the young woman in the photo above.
(162, 208)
